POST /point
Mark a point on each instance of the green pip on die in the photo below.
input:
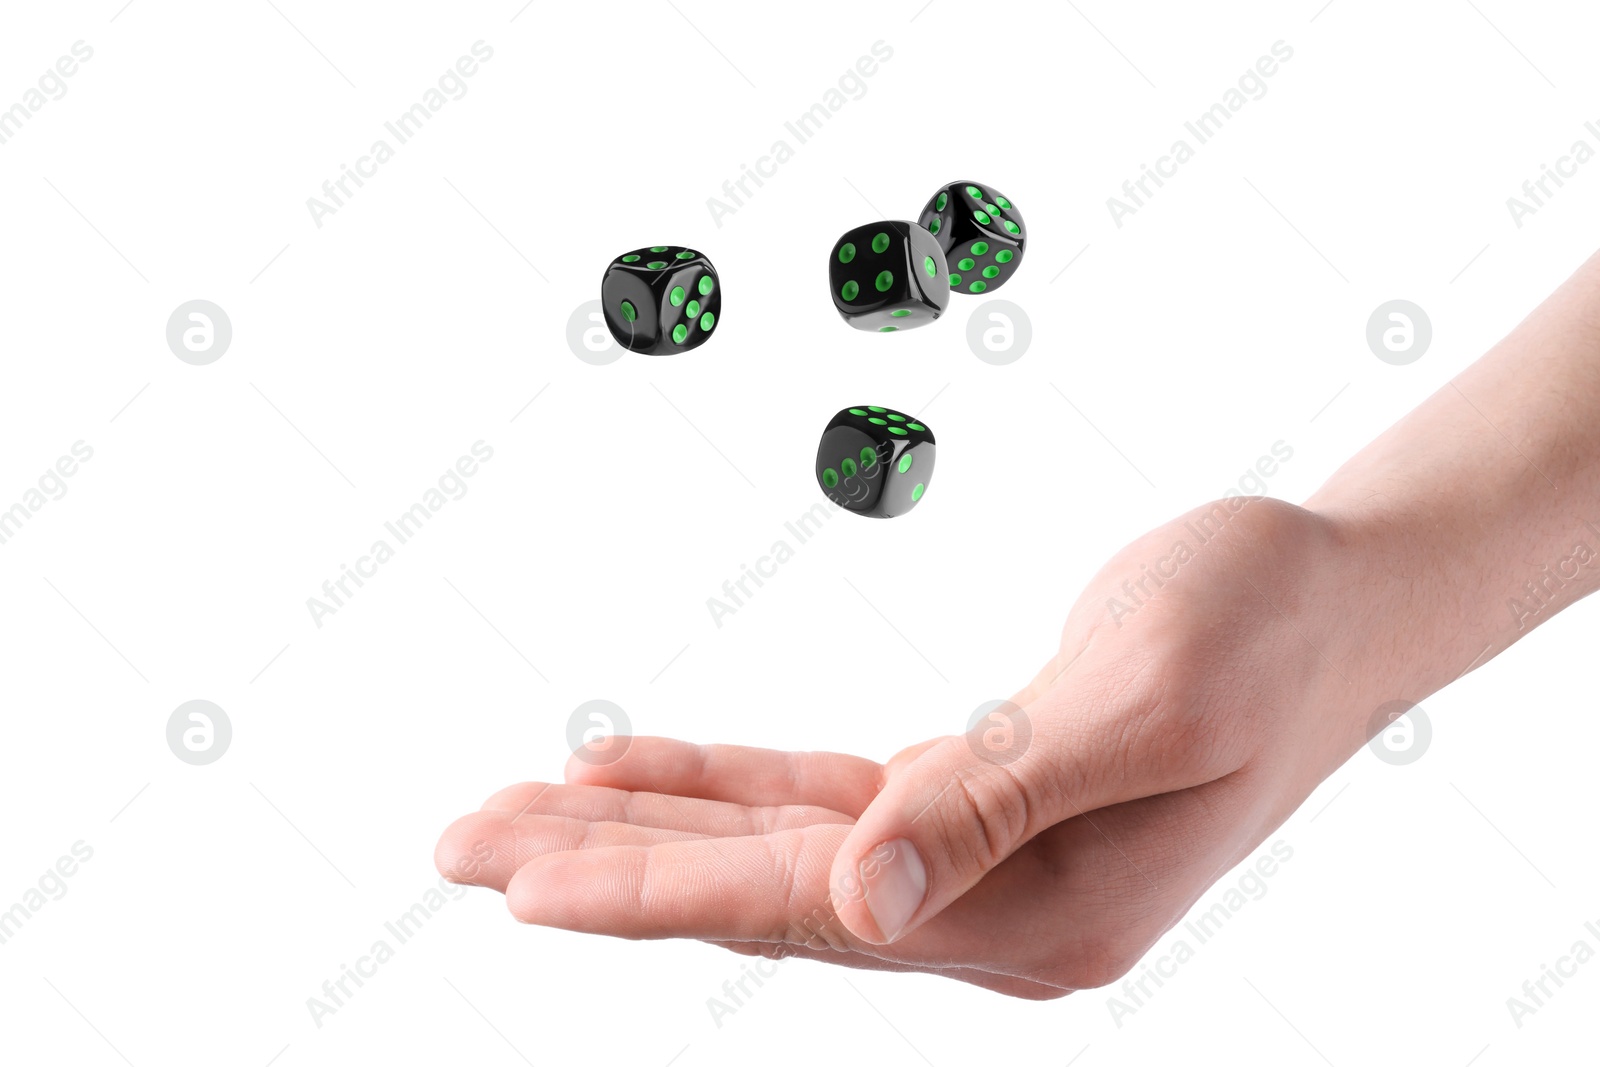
(875, 461)
(981, 233)
(888, 276)
(661, 300)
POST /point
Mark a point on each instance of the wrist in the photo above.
(1476, 518)
(1439, 589)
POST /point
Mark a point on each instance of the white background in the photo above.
(368, 354)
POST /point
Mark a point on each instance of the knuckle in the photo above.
(806, 922)
(818, 929)
(992, 804)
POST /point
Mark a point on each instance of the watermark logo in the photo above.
(1401, 732)
(451, 485)
(199, 732)
(811, 931)
(1199, 531)
(51, 886)
(999, 332)
(1537, 992)
(50, 86)
(1399, 332)
(1537, 192)
(199, 332)
(1251, 85)
(52, 485)
(451, 85)
(1153, 972)
(802, 529)
(599, 732)
(589, 338)
(1549, 585)
(998, 732)
(851, 85)
(337, 992)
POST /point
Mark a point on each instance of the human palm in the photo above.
(1160, 745)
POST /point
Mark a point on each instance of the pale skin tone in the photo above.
(1165, 746)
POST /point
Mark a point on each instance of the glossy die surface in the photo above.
(661, 300)
(888, 276)
(980, 232)
(875, 461)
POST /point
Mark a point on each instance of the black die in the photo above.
(980, 232)
(875, 461)
(888, 276)
(661, 300)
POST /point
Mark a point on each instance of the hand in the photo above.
(1215, 671)
(1177, 725)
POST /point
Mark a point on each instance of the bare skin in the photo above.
(1165, 744)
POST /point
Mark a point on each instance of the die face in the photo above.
(888, 276)
(981, 233)
(907, 480)
(850, 466)
(875, 461)
(661, 300)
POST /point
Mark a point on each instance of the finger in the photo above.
(907, 756)
(757, 888)
(736, 774)
(962, 807)
(660, 810)
(767, 888)
(773, 955)
(486, 848)
(1073, 910)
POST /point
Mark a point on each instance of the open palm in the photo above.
(1162, 750)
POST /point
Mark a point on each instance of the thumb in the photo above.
(953, 809)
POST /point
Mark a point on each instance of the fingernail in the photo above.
(895, 881)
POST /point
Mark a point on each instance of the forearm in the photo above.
(1478, 515)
